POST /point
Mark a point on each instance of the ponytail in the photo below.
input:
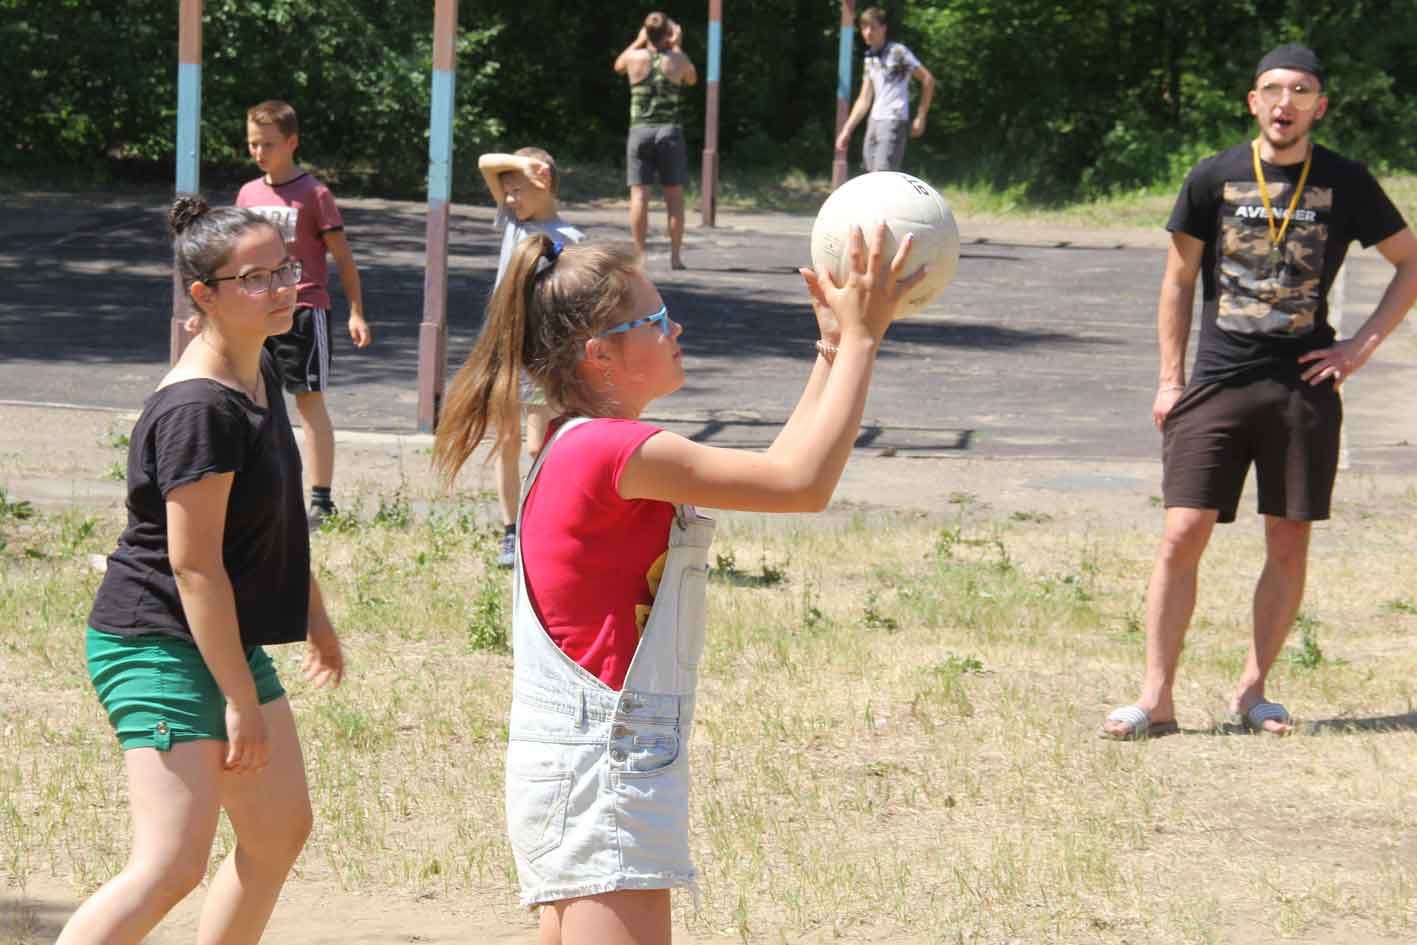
(549, 303)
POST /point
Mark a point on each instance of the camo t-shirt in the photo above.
(1259, 311)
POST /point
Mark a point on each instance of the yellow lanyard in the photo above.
(1276, 238)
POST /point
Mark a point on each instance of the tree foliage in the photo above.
(1051, 97)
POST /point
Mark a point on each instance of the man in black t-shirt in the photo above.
(1266, 225)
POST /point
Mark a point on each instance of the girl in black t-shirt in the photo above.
(214, 563)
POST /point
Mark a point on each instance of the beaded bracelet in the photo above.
(826, 350)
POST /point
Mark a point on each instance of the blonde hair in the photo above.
(539, 319)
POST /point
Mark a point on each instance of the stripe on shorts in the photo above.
(321, 353)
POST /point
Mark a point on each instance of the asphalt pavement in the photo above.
(1043, 349)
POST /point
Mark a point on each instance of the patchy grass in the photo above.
(895, 737)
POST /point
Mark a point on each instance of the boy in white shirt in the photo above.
(885, 90)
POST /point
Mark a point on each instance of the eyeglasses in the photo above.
(261, 281)
(662, 317)
(1301, 95)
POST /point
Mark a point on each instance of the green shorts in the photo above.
(157, 689)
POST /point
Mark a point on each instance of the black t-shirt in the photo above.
(188, 431)
(1257, 317)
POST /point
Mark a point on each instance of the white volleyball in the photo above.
(907, 205)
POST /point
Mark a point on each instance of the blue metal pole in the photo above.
(843, 85)
(189, 146)
(709, 173)
(433, 331)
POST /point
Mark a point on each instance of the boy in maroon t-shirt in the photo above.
(304, 210)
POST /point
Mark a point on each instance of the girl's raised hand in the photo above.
(866, 299)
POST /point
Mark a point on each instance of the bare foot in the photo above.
(677, 264)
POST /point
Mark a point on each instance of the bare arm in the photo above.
(830, 332)
(1173, 320)
(622, 61)
(493, 166)
(1347, 357)
(797, 478)
(687, 74)
(927, 95)
(927, 89)
(859, 108)
(800, 421)
(324, 659)
(338, 246)
(196, 521)
(801, 469)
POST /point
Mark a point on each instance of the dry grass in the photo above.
(895, 740)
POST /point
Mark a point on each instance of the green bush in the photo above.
(1047, 99)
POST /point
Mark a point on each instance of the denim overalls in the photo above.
(598, 780)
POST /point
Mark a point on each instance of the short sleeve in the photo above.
(910, 58)
(566, 233)
(1195, 209)
(195, 440)
(327, 216)
(625, 437)
(595, 453)
(1377, 216)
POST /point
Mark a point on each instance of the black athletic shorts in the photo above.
(303, 353)
(656, 154)
(1287, 428)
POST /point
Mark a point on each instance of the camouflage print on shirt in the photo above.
(1257, 297)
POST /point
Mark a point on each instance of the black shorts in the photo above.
(1287, 428)
(656, 154)
(303, 353)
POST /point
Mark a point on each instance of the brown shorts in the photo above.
(1287, 428)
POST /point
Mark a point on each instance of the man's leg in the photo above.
(639, 215)
(895, 146)
(870, 147)
(674, 205)
(1278, 594)
(1170, 601)
(509, 483)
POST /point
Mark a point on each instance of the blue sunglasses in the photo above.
(661, 316)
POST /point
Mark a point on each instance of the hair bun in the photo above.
(186, 210)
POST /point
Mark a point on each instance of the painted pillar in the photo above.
(433, 331)
(843, 85)
(189, 144)
(709, 174)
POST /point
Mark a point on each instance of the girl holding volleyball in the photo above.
(608, 610)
